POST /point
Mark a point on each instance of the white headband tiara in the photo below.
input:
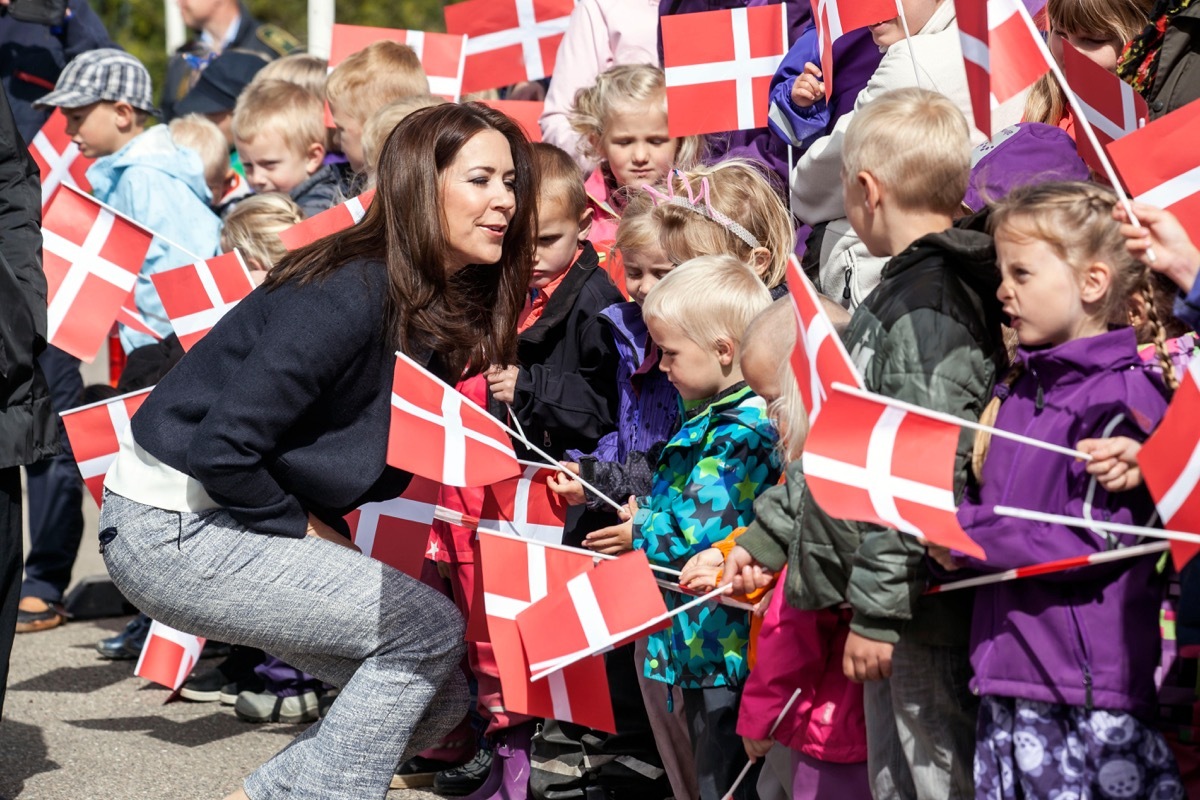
(692, 203)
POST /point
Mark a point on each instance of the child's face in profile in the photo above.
(350, 136)
(95, 129)
(560, 235)
(643, 269)
(694, 370)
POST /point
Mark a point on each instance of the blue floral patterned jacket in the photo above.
(707, 478)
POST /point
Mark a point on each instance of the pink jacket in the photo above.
(803, 650)
(605, 220)
(601, 34)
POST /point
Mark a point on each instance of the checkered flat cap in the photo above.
(107, 74)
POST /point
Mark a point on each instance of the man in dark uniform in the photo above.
(222, 25)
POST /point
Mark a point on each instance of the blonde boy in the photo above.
(364, 83)
(202, 135)
(279, 132)
(930, 335)
(384, 121)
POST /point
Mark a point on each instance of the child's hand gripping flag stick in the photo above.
(746, 769)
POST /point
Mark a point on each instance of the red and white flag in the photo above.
(92, 257)
(516, 574)
(868, 461)
(441, 54)
(1170, 463)
(94, 431)
(1160, 165)
(819, 359)
(719, 66)
(132, 318)
(58, 158)
(328, 222)
(508, 41)
(439, 434)
(1001, 57)
(196, 296)
(525, 113)
(396, 531)
(835, 18)
(525, 507)
(168, 655)
(1110, 104)
(598, 610)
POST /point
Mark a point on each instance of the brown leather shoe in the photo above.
(35, 614)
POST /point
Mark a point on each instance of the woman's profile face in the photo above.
(478, 200)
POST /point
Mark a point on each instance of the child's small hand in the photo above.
(1174, 253)
(757, 748)
(744, 572)
(564, 487)
(942, 556)
(502, 381)
(1114, 462)
(615, 539)
(808, 88)
(867, 659)
(760, 608)
(702, 571)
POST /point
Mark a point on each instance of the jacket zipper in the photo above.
(846, 291)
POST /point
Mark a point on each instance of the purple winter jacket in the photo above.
(1087, 637)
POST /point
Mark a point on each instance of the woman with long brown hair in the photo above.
(223, 511)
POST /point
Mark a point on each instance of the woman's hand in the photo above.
(566, 488)
(744, 572)
(702, 571)
(319, 530)
(1114, 462)
(502, 381)
(615, 539)
(808, 87)
(1174, 253)
(757, 748)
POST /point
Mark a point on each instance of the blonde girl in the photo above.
(1064, 664)
(253, 228)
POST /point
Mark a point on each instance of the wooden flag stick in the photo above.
(746, 769)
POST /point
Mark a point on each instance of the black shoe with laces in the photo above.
(465, 778)
(126, 645)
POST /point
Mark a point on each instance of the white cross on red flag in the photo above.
(441, 54)
(94, 432)
(168, 655)
(1110, 104)
(439, 434)
(598, 610)
(396, 531)
(719, 66)
(197, 295)
(819, 359)
(133, 319)
(328, 222)
(1170, 464)
(868, 461)
(508, 41)
(516, 574)
(525, 507)
(92, 257)
(1160, 165)
(835, 18)
(999, 52)
(58, 158)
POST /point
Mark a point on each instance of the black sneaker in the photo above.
(226, 680)
(418, 772)
(126, 645)
(465, 778)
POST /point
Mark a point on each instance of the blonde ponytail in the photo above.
(983, 439)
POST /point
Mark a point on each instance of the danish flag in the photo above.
(439, 434)
(819, 359)
(1170, 463)
(441, 54)
(1001, 57)
(1160, 166)
(94, 432)
(525, 507)
(835, 18)
(508, 41)
(516, 574)
(195, 297)
(133, 319)
(328, 222)
(58, 158)
(92, 256)
(396, 531)
(168, 655)
(1110, 104)
(719, 66)
(868, 461)
(598, 610)
(525, 113)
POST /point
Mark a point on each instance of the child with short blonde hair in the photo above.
(280, 136)
(384, 121)
(253, 228)
(202, 135)
(303, 69)
(364, 83)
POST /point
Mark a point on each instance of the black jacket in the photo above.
(32, 56)
(27, 423)
(283, 407)
(270, 40)
(1177, 83)
(319, 192)
(566, 395)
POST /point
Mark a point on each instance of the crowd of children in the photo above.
(1005, 284)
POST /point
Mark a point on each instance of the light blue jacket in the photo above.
(161, 186)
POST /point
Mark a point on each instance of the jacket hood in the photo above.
(1079, 359)
(973, 254)
(152, 149)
